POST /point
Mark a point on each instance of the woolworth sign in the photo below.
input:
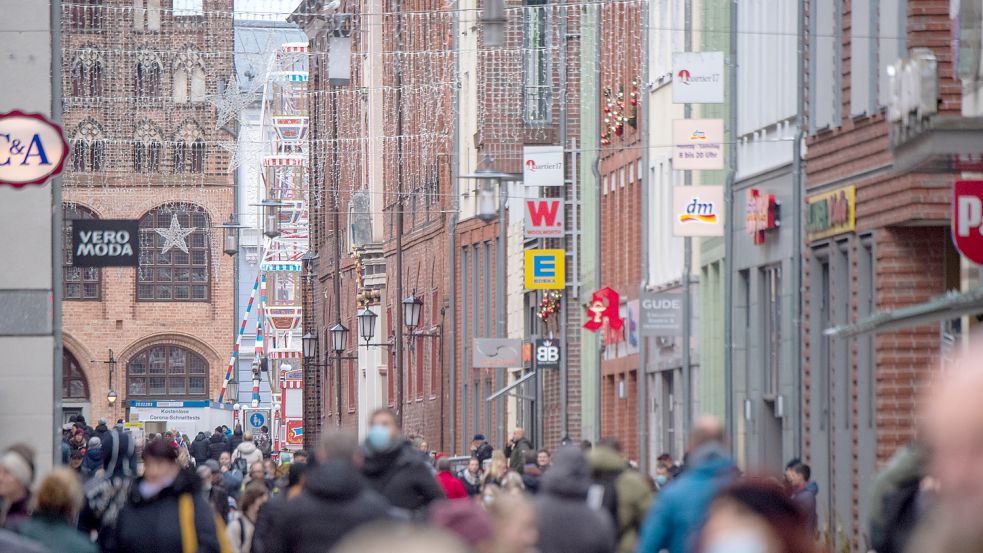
(32, 149)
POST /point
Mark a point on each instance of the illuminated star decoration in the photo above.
(230, 103)
(174, 235)
(233, 149)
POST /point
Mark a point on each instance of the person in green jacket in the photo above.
(58, 500)
(626, 496)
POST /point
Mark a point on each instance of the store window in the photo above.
(74, 386)
(535, 61)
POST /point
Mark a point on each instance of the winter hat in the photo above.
(17, 464)
(212, 464)
(95, 442)
(466, 519)
(478, 438)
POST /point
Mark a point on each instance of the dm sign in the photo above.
(967, 219)
(32, 149)
(105, 243)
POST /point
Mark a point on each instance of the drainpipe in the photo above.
(729, 229)
(798, 187)
(56, 235)
(451, 255)
(643, 113)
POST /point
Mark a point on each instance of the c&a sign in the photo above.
(32, 149)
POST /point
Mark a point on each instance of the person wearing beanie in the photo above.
(16, 475)
(165, 506)
(93, 458)
(466, 520)
(53, 523)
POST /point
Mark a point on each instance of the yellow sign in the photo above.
(544, 269)
(831, 213)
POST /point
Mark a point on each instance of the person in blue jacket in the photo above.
(679, 511)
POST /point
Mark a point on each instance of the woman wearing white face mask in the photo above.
(755, 517)
(395, 469)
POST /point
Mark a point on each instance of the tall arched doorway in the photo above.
(74, 388)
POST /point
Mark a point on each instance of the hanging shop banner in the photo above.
(496, 353)
(762, 214)
(698, 211)
(32, 149)
(605, 306)
(661, 313)
(542, 166)
(831, 213)
(697, 77)
(967, 219)
(544, 269)
(544, 218)
(105, 243)
(547, 354)
(697, 144)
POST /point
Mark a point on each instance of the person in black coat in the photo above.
(217, 444)
(199, 449)
(395, 469)
(267, 531)
(236, 438)
(335, 500)
(566, 523)
(151, 520)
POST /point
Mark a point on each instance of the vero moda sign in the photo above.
(544, 218)
(105, 243)
(967, 219)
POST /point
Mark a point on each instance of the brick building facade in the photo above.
(859, 395)
(145, 144)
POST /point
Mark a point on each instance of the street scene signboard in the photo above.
(698, 211)
(544, 269)
(542, 166)
(496, 353)
(547, 354)
(32, 149)
(831, 213)
(105, 243)
(697, 77)
(544, 218)
(697, 144)
(661, 313)
(967, 219)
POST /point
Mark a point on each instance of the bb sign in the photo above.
(32, 149)
(967, 219)
(105, 243)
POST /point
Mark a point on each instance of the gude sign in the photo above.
(967, 219)
(32, 149)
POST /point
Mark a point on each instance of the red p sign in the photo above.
(967, 219)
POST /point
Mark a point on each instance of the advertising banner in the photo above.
(496, 353)
(544, 269)
(547, 354)
(661, 313)
(831, 213)
(698, 77)
(542, 166)
(698, 211)
(697, 144)
(544, 218)
(967, 219)
(105, 243)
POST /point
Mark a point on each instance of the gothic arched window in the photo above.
(174, 254)
(147, 74)
(147, 148)
(167, 370)
(189, 149)
(88, 72)
(88, 147)
(80, 283)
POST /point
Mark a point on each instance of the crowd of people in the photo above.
(223, 493)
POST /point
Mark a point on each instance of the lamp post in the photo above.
(488, 178)
(111, 396)
(271, 216)
(230, 235)
(233, 387)
(339, 342)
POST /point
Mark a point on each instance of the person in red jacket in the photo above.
(453, 488)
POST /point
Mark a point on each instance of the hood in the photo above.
(118, 455)
(605, 459)
(334, 480)
(378, 462)
(246, 448)
(711, 460)
(94, 454)
(101, 427)
(216, 438)
(200, 437)
(813, 487)
(569, 474)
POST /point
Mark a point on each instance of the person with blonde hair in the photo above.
(497, 469)
(515, 524)
(58, 500)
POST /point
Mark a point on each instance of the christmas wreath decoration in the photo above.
(549, 307)
(618, 113)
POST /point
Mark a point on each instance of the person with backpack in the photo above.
(626, 494)
(247, 450)
(240, 530)
(106, 493)
(263, 441)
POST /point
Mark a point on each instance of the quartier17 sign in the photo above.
(32, 149)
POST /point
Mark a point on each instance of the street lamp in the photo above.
(339, 338)
(366, 324)
(487, 178)
(230, 235)
(271, 216)
(233, 387)
(309, 346)
(411, 312)
(111, 397)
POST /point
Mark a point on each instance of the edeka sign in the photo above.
(32, 149)
(544, 269)
(831, 213)
(697, 77)
(542, 166)
(698, 211)
(544, 218)
(967, 219)
(661, 313)
(105, 243)
(697, 144)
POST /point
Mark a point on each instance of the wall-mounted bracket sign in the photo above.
(32, 149)
(763, 214)
(105, 243)
(605, 305)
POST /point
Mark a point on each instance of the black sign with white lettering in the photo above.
(547, 354)
(105, 243)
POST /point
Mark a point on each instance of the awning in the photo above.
(508, 388)
(949, 306)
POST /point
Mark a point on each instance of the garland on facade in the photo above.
(617, 113)
(549, 307)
